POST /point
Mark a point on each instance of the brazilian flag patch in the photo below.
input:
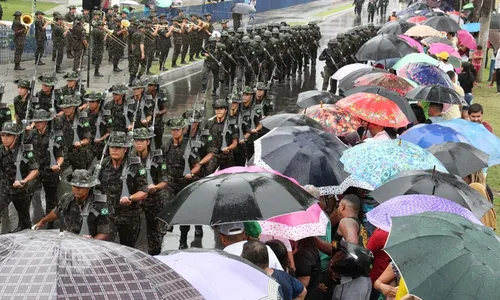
(163, 166)
(104, 211)
(7, 112)
(142, 172)
(30, 154)
(110, 121)
(59, 138)
(86, 124)
(209, 138)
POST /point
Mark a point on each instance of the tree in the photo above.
(484, 19)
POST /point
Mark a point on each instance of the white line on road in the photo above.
(182, 78)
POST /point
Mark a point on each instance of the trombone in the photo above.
(109, 33)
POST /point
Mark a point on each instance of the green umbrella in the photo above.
(414, 58)
(468, 6)
(445, 256)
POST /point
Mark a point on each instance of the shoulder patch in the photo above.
(209, 138)
(104, 211)
(142, 172)
(163, 166)
(30, 154)
(59, 138)
(86, 124)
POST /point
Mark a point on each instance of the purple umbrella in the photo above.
(407, 205)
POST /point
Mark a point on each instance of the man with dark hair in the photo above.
(476, 116)
(435, 112)
(453, 111)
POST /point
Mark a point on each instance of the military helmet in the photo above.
(212, 38)
(39, 12)
(220, 103)
(41, 115)
(258, 27)
(245, 40)
(257, 38)
(234, 98)
(281, 36)
(225, 21)
(176, 123)
(188, 115)
(24, 83)
(138, 84)
(240, 30)
(332, 42)
(248, 90)
(224, 34)
(275, 31)
(153, 80)
(262, 86)
(268, 33)
(58, 17)
(142, 133)
(250, 28)
(82, 178)
(17, 13)
(119, 89)
(119, 139)
(71, 76)
(48, 79)
(340, 36)
(69, 101)
(94, 96)
(231, 30)
(282, 29)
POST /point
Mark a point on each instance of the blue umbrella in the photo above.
(471, 27)
(426, 135)
(425, 74)
(478, 136)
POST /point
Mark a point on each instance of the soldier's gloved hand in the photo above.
(125, 201)
(56, 168)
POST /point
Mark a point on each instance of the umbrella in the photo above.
(435, 93)
(395, 27)
(422, 31)
(436, 39)
(494, 38)
(434, 183)
(347, 82)
(437, 48)
(375, 162)
(417, 19)
(333, 119)
(129, 2)
(445, 256)
(238, 197)
(443, 23)
(460, 159)
(374, 109)
(466, 39)
(408, 205)
(310, 98)
(412, 43)
(479, 137)
(383, 47)
(426, 135)
(243, 9)
(281, 120)
(495, 21)
(391, 95)
(251, 169)
(472, 27)
(414, 58)
(48, 265)
(219, 275)
(297, 225)
(468, 6)
(387, 80)
(425, 74)
(347, 69)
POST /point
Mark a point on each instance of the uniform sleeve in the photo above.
(31, 161)
(86, 129)
(140, 180)
(103, 222)
(58, 149)
(162, 171)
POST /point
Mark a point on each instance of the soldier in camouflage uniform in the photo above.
(239, 153)
(80, 44)
(186, 39)
(160, 97)
(70, 17)
(40, 36)
(99, 38)
(82, 205)
(73, 87)
(16, 190)
(21, 100)
(333, 59)
(211, 65)
(99, 122)
(117, 50)
(156, 171)
(196, 39)
(137, 54)
(118, 108)
(19, 39)
(48, 81)
(47, 141)
(116, 170)
(178, 40)
(244, 56)
(164, 43)
(313, 47)
(150, 44)
(139, 106)
(59, 34)
(76, 132)
(251, 116)
(173, 153)
(224, 24)
(263, 98)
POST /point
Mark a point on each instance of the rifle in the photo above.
(126, 171)
(248, 63)
(331, 58)
(53, 135)
(90, 209)
(99, 121)
(187, 151)
(126, 110)
(76, 123)
(225, 131)
(215, 59)
(230, 57)
(98, 166)
(198, 143)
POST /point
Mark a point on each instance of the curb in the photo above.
(337, 13)
(177, 74)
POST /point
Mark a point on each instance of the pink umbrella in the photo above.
(440, 47)
(252, 169)
(466, 39)
(412, 43)
(417, 20)
(298, 225)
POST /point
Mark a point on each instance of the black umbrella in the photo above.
(443, 23)
(310, 98)
(383, 47)
(495, 21)
(47, 265)
(434, 183)
(391, 95)
(435, 39)
(306, 154)
(395, 27)
(282, 120)
(347, 82)
(460, 159)
(435, 93)
(238, 197)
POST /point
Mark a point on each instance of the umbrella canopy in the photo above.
(408, 205)
(219, 275)
(310, 98)
(414, 58)
(436, 39)
(297, 225)
(437, 48)
(472, 27)
(417, 19)
(435, 93)
(383, 47)
(347, 82)
(433, 183)
(374, 109)
(251, 169)
(395, 27)
(412, 43)
(391, 95)
(333, 119)
(445, 256)
(347, 69)
(238, 197)
(243, 9)
(443, 23)
(48, 265)
(387, 80)
(425, 74)
(494, 38)
(281, 120)
(309, 155)
(468, 6)
(479, 137)
(460, 159)
(375, 162)
(466, 39)
(426, 135)
(495, 21)
(422, 31)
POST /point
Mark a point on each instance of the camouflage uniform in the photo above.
(5, 113)
(69, 18)
(211, 65)
(164, 44)
(20, 105)
(119, 112)
(44, 99)
(246, 110)
(98, 35)
(8, 160)
(116, 50)
(334, 60)
(162, 102)
(142, 108)
(58, 43)
(98, 122)
(186, 41)
(138, 39)
(79, 35)
(19, 39)
(149, 47)
(178, 41)
(40, 37)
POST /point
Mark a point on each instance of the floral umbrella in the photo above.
(374, 109)
(417, 19)
(387, 80)
(425, 74)
(334, 119)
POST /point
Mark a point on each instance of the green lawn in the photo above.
(333, 10)
(10, 6)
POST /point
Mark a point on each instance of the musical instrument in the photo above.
(109, 33)
(125, 24)
(27, 21)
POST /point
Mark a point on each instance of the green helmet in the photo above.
(119, 139)
(240, 30)
(48, 79)
(142, 133)
(262, 86)
(245, 40)
(17, 13)
(220, 103)
(41, 115)
(257, 38)
(176, 123)
(69, 101)
(249, 28)
(212, 39)
(332, 42)
(119, 89)
(231, 30)
(224, 34)
(72, 76)
(248, 90)
(275, 31)
(94, 96)
(188, 115)
(234, 98)
(11, 128)
(82, 178)
(24, 83)
(138, 84)
(268, 33)
(153, 80)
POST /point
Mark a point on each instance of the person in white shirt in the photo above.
(443, 62)
(233, 238)
(376, 132)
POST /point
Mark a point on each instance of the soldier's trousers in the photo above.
(327, 73)
(313, 50)
(193, 48)
(21, 199)
(19, 49)
(69, 42)
(371, 15)
(128, 228)
(198, 232)
(156, 229)
(78, 159)
(149, 54)
(207, 69)
(50, 183)
(163, 55)
(239, 155)
(134, 63)
(77, 58)
(225, 161)
(177, 52)
(40, 48)
(185, 46)
(159, 129)
(97, 56)
(59, 55)
(117, 53)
